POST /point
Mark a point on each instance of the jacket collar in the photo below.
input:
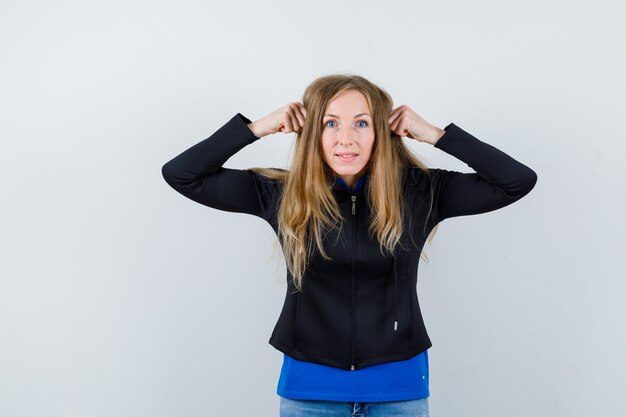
(340, 184)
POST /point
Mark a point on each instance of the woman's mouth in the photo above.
(346, 157)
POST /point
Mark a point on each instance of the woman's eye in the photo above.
(360, 121)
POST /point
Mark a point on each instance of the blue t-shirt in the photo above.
(392, 381)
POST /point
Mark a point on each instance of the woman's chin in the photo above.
(347, 171)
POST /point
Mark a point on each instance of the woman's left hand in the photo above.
(404, 121)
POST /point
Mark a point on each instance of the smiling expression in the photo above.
(348, 135)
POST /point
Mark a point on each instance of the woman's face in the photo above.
(348, 135)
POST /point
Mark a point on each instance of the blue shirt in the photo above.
(392, 381)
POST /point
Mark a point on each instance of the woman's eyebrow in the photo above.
(358, 115)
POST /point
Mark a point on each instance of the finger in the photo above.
(300, 116)
(288, 124)
(294, 122)
(394, 115)
(301, 112)
(394, 124)
(281, 116)
(405, 129)
(401, 126)
(291, 115)
(404, 132)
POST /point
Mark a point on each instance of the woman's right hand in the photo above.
(287, 119)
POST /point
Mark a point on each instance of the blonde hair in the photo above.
(307, 206)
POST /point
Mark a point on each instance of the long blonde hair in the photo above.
(307, 206)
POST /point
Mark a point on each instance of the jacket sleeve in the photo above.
(498, 180)
(197, 173)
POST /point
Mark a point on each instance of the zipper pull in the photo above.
(395, 325)
(352, 367)
(353, 206)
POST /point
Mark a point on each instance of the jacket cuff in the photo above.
(453, 133)
(239, 123)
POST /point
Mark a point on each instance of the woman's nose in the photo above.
(345, 135)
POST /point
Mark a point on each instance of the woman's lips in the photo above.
(346, 157)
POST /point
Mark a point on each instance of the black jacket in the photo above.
(361, 308)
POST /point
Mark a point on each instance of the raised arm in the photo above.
(498, 180)
(198, 174)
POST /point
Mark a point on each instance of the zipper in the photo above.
(353, 295)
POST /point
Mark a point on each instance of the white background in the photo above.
(119, 297)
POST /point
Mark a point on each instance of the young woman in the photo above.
(352, 215)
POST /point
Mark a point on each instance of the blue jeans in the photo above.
(305, 408)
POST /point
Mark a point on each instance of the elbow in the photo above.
(524, 184)
(165, 172)
(169, 174)
(529, 181)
